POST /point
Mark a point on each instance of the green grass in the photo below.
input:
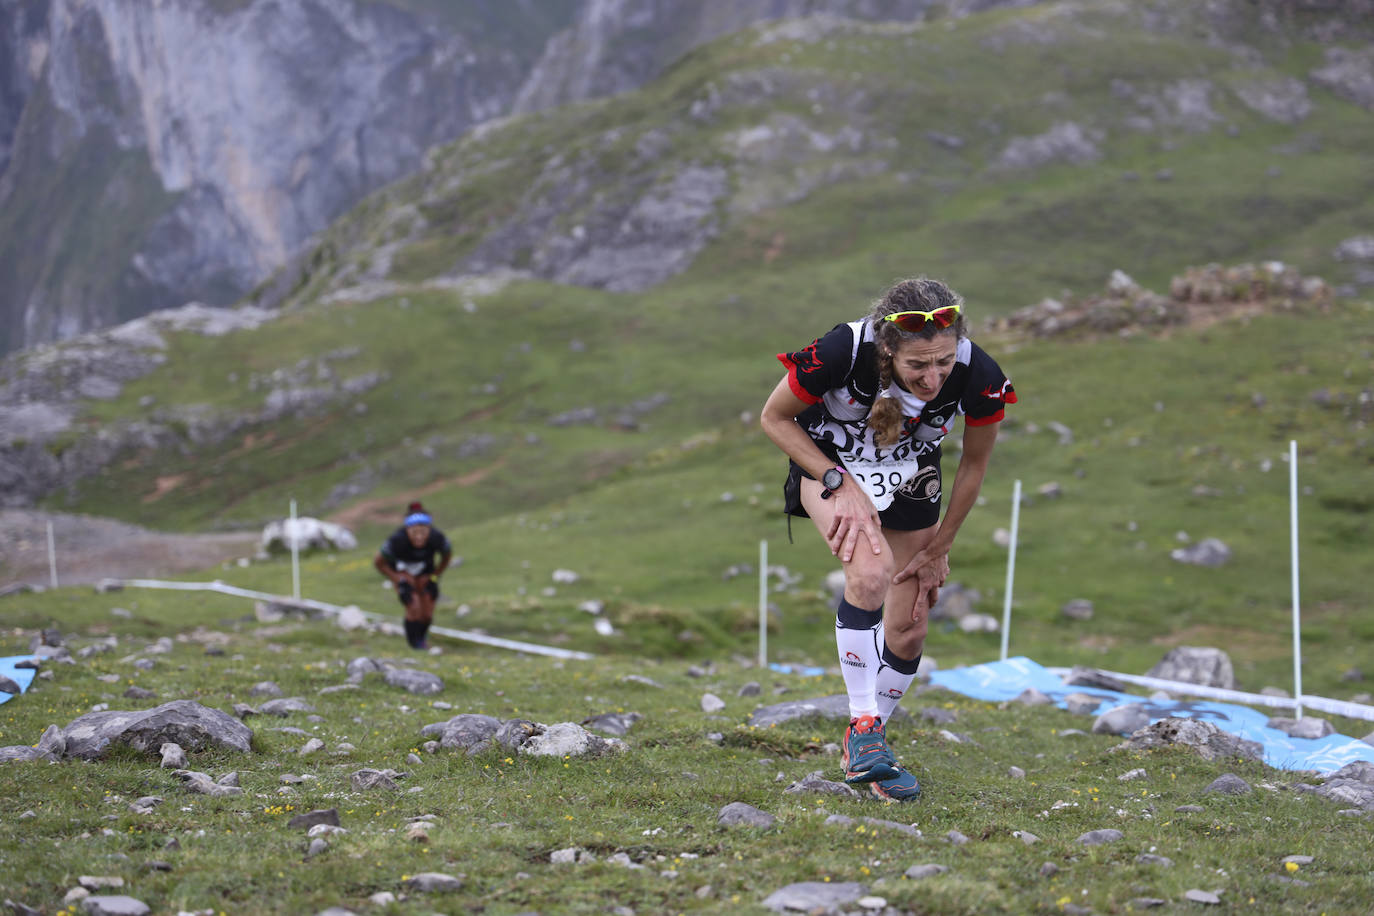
(499, 816)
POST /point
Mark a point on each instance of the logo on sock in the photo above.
(891, 694)
(851, 659)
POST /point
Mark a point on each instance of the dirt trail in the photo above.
(90, 549)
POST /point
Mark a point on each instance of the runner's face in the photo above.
(921, 366)
(418, 534)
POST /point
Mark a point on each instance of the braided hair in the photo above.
(921, 294)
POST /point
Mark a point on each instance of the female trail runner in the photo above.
(860, 414)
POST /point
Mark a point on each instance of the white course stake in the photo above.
(1297, 617)
(1011, 566)
(52, 558)
(294, 538)
(763, 604)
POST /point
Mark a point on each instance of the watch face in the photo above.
(832, 479)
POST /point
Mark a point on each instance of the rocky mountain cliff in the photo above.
(156, 153)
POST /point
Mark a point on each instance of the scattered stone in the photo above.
(265, 689)
(1228, 784)
(1082, 704)
(1297, 860)
(641, 680)
(938, 716)
(571, 740)
(1147, 903)
(1083, 676)
(1352, 784)
(815, 782)
(831, 707)
(1032, 697)
(1148, 858)
(1078, 609)
(114, 905)
(1200, 896)
(463, 731)
(1210, 742)
(1306, 727)
(1130, 775)
(100, 882)
(310, 819)
(173, 757)
(740, 813)
(814, 896)
(1025, 836)
(1100, 837)
(202, 784)
(182, 722)
(318, 846)
(929, 870)
(751, 689)
(434, 883)
(956, 838)
(135, 692)
(366, 779)
(612, 723)
(1016, 772)
(1209, 552)
(314, 745)
(285, 706)
(1048, 870)
(711, 703)
(421, 683)
(1123, 720)
(1189, 809)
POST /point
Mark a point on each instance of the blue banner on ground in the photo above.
(21, 676)
(1000, 681)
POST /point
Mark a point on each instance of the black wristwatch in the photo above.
(832, 480)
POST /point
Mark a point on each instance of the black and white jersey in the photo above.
(407, 558)
(837, 375)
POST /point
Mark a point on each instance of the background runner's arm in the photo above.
(385, 568)
(444, 559)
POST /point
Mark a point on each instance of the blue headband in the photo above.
(417, 518)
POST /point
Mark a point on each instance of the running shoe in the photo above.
(900, 788)
(866, 756)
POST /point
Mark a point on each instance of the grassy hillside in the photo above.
(496, 818)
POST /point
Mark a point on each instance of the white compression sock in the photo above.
(858, 640)
(893, 679)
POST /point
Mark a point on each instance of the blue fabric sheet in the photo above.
(21, 676)
(1000, 681)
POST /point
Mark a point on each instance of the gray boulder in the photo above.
(1208, 741)
(1352, 784)
(1193, 665)
(1306, 727)
(464, 730)
(1228, 784)
(814, 896)
(1123, 720)
(113, 905)
(421, 683)
(741, 814)
(1209, 552)
(568, 739)
(285, 706)
(183, 722)
(1083, 676)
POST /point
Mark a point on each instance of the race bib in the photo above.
(883, 480)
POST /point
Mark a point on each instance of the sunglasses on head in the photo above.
(916, 320)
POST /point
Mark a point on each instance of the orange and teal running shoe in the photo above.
(866, 756)
(900, 788)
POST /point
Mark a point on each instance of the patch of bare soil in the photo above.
(89, 549)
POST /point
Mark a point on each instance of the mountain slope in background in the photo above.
(153, 154)
(763, 180)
